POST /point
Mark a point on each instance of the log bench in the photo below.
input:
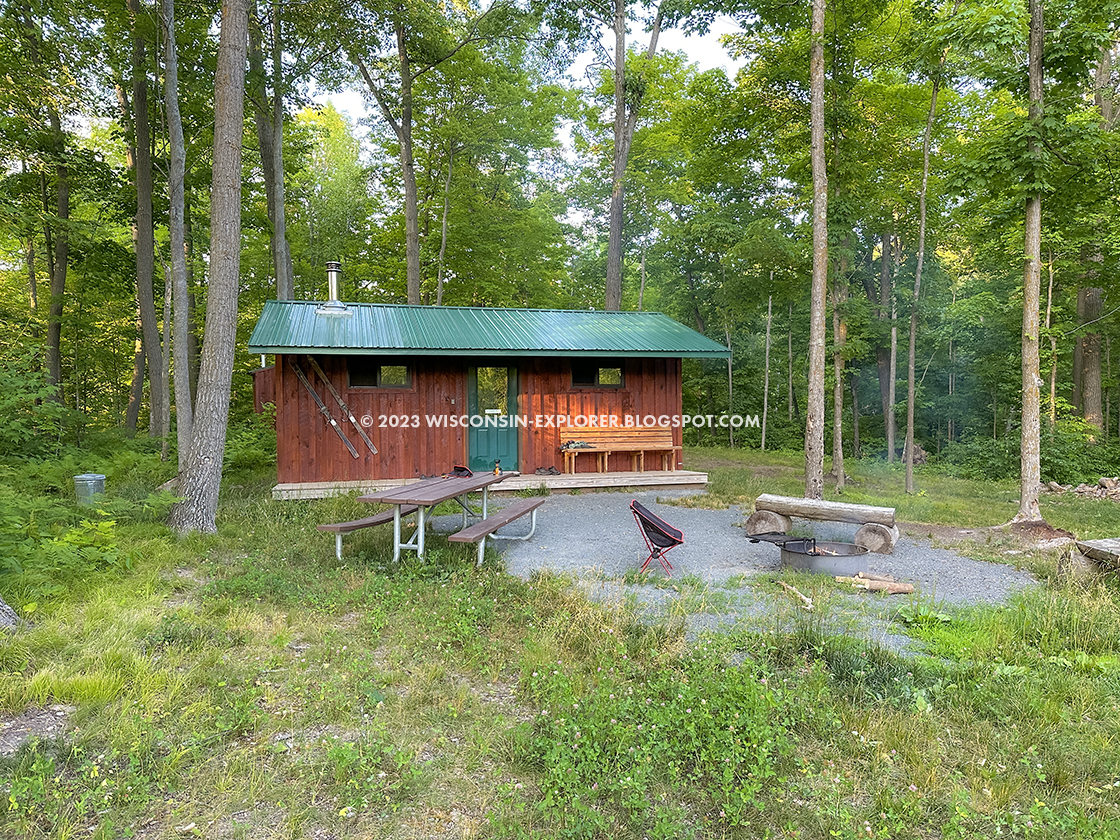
(340, 528)
(636, 440)
(878, 531)
(486, 528)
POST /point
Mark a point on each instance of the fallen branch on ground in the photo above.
(876, 584)
(806, 602)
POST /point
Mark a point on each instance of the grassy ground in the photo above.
(249, 685)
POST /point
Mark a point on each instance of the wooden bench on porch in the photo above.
(486, 528)
(878, 531)
(637, 440)
(340, 528)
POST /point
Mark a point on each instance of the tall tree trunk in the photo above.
(766, 376)
(408, 174)
(814, 409)
(194, 353)
(855, 415)
(1078, 355)
(443, 225)
(697, 315)
(177, 170)
(839, 336)
(268, 116)
(142, 232)
(642, 285)
(730, 386)
(201, 478)
(1030, 471)
(282, 252)
(135, 391)
(56, 213)
(613, 299)
(625, 121)
(1091, 361)
(791, 397)
(165, 378)
(911, 383)
(883, 355)
(32, 272)
(61, 230)
(892, 375)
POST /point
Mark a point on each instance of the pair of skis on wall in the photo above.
(326, 412)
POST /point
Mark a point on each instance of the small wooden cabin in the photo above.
(432, 386)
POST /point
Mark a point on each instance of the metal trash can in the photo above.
(88, 485)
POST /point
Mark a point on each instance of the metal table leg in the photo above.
(396, 533)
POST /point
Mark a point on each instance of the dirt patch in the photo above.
(47, 723)
(1041, 533)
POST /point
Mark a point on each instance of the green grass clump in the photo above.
(613, 744)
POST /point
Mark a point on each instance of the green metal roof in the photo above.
(383, 329)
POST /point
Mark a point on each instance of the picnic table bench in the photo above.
(878, 531)
(486, 528)
(637, 440)
(340, 528)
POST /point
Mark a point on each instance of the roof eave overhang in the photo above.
(504, 353)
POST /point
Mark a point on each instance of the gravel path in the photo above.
(593, 537)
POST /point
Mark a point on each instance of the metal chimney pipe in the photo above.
(334, 279)
(333, 306)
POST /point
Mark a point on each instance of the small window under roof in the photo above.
(371, 372)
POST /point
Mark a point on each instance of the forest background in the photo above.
(488, 175)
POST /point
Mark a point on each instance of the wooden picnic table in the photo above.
(425, 495)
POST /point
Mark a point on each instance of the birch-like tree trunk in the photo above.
(201, 478)
(814, 408)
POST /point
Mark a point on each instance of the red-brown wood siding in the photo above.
(651, 387)
(264, 387)
(309, 450)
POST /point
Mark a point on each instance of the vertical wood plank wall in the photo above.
(264, 387)
(309, 450)
(650, 387)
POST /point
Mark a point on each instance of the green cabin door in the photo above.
(492, 405)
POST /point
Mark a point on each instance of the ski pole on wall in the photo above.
(341, 403)
(323, 408)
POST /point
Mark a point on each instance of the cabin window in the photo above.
(370, 373)
(592, 374)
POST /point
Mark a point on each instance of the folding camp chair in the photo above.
(660, 536)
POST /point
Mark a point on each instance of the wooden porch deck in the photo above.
(648, 480)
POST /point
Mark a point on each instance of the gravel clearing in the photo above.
(719, 576)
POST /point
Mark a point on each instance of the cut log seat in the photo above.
(878, 531)
(636, 440)
(340, 528)
(486, 528)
